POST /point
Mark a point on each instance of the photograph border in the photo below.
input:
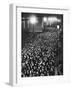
(13, 34)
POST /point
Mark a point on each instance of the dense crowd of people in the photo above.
(40, 52)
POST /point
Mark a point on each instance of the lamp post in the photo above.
(33, 20)
(44, 21)
(33, 27)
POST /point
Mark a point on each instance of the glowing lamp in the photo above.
(58, 26)
(45, 19)
(33, 19)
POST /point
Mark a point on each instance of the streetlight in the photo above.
(44, 21)
(33, 20)
(58, 26)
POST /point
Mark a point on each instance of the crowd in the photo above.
(39, 54)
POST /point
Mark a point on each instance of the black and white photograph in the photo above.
(41, 44)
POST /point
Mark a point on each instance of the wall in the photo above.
(4, 41)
